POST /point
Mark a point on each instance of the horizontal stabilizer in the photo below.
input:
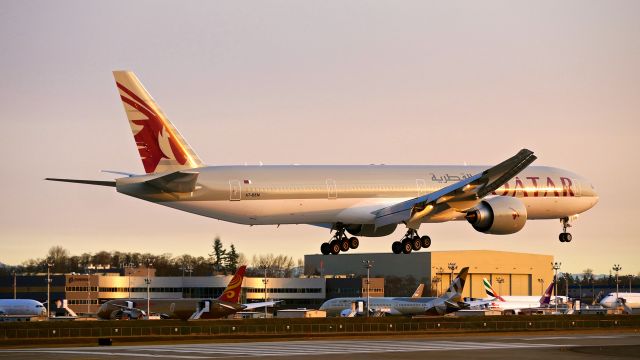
(257, 305)
(88, 182)
(178, 181)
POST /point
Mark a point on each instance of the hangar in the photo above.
(511, 273)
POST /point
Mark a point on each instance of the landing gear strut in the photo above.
(564, 235)
(339, 242)
(410, 242)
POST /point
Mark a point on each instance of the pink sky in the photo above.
(279, 82)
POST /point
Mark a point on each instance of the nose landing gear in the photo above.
(564, 235)
(410, 242)
(340, 242)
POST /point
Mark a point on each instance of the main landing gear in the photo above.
(339, 242)
(410, 242)
(564, 235)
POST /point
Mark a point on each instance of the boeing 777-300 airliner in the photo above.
(365, 200)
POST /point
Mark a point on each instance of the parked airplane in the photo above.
(511, 304)
(21, 307)
(369, 200)
(184, 309)
(449, 302)
(631, 300)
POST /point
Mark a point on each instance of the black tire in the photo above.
(561, 237)
(325, 249)
(567, 237)
(406, 246)
(416, 244)
(396, 247)
(425, 241)
(334, 247)
(344, 245)
(354, 243)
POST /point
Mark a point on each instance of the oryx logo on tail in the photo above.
(160, 145)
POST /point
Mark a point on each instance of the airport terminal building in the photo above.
(510, 273)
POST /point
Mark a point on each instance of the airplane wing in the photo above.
(462, 195)
(250, 306)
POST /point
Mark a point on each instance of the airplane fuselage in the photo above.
(270, 195)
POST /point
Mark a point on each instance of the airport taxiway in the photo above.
(612, 344)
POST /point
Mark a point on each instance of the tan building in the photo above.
(510, 273)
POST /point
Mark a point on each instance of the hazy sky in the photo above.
(331, 82)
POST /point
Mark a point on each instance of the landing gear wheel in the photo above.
(344, 245)
(416, 244)
(354, 242)
(406, 246)
(396, 247)
(425, 241)
(567, 237)
(335, 247)
(561, 237)
(325, 249)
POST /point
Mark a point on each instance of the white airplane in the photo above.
(366, 200)
(512, 304)
(631, 300)
(408, 306)
(21, 307)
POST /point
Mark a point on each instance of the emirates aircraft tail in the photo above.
(159, 143)
(232, 291)
(490, 291)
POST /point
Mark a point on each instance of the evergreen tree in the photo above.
(232, 260)
(218, 255)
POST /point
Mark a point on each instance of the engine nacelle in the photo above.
(498, 215)
(369, 230)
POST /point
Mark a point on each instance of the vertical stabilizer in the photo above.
(159, 143)
(546, 297)
(457, 286)
(232, 292)
(490, 291)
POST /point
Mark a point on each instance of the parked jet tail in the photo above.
(232, 292)
(159, 143)
(546, 297)
(490, 291)
(454, 294)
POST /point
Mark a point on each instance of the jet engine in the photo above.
(370, 230)
(498, 215)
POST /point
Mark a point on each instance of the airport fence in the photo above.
(301, 327)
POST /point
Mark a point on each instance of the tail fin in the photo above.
(457, 286)
(489, 290)
(159, 143)
(546, 297)
(232, 292)
(418, 292)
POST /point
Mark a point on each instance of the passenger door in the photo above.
(235, 191)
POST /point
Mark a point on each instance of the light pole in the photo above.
(617, 268)
(541, 281)
(500, 280)
(148, 282)
(368, 264)
(49, 265)
(556, 266)
(436, 280)
(88, 293)
(15, 290)
(128, 269)
(265, 281)
(452, 266)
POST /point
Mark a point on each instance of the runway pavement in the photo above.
(572, 346)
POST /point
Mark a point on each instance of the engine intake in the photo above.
(499, 215)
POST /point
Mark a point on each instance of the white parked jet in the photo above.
(21, 307)
(512, 304)
(369, 200)
(408, 306)
(613, 300)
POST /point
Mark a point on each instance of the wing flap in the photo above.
(464, 193)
